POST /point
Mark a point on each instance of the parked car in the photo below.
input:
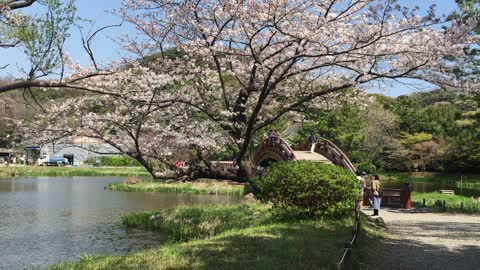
(48, 161)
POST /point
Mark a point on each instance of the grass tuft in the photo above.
(199, 187)
(453, 202)
(470, 181)
(187, 222)
(33, 171)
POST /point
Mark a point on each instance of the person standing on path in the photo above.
(377, 194)
(313, 140)
(361, 185)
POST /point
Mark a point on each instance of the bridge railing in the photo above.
(337, 154)
(276, 142)
(332, 152)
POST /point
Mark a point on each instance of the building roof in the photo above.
(10, 151)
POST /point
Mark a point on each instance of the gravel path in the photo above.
(425, 240)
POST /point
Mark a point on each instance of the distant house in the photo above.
(78, 149)
(8, 155)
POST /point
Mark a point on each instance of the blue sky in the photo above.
(106, 49)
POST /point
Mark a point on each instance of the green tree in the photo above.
(408, 110)
(343, 126)
(411, 139)
(467, 142)
(41, 37)
(440, 119)
(380, 142)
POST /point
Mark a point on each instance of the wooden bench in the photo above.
(392, 197)
(447, 191)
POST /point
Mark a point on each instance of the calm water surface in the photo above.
(51, 219)
(468, 190)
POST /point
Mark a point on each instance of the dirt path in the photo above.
(425, 240)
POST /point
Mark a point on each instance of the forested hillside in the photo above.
(430, 131)
(18, 105)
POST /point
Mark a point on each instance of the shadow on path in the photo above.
(407, 254)
(427, 240)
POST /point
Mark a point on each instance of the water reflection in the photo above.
(47, 220)
(432, 187)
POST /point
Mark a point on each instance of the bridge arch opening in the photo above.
(267, 162)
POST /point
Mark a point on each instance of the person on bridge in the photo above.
(313, 140)
(270, 134)
(377, 194)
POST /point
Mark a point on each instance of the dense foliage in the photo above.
(308, 189)
(429, 131)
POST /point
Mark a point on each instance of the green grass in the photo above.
(371, 238)
(470, 180)
(21, 171)
(198, 187)
(246, 236)
(188, 222)
(453, 202)
(294, 245)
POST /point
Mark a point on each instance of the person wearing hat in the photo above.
(377, 194)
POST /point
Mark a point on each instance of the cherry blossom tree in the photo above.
(250, 62)
(135, 117)
(241, 65)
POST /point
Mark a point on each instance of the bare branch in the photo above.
(17, 4)
(87, 42)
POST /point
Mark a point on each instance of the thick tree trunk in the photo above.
(245, 170)
(210, 172)
(146, 165)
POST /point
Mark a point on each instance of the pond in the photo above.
(466, 190)
(51, 219)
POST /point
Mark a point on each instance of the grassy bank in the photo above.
(453, 202)
(198, 187)
(295, 245)
(33, 171)
(188, 222)
(452, 179)
(244, 236)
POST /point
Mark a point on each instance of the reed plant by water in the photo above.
(280, 245)
(198, 187)
(187, 222)
(471, 180)
(456, 203)
(34, 171)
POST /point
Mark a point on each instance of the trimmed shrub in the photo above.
(308, 189)
(113, 161)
